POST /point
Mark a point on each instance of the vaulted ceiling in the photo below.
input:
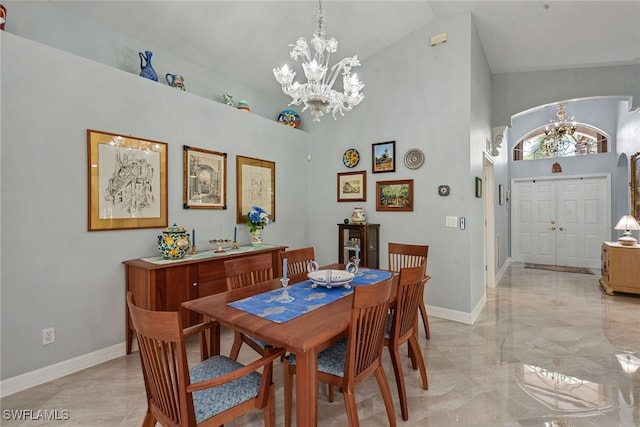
(247, 39)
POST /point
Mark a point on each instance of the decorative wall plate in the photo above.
(289, 118)
(413, 158)
(351, 157)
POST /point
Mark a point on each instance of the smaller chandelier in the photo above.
(317, 94)
(558, 132)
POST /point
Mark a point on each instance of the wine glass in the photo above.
(285, 297)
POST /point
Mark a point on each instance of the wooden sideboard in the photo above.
(159, 284)
(620, 268)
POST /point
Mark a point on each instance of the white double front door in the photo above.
(560, 221)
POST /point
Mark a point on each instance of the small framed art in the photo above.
(127, 182)
(205, 179)
(352, 186)
(394, 195)
(383, 157)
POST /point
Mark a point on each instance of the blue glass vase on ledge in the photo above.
(146, 70)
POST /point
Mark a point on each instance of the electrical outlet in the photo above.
(48, 336)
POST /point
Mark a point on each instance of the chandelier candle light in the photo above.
(557, 132)
(318, 94)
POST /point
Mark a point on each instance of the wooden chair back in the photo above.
(248, 270)
(403, 255)
(369, 312)
(167, 378)
(404, 324)
(164, 364)
(297, 262)
(410, 291)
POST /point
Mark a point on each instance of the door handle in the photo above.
(552, 228)
(561, 228)
(553, 222)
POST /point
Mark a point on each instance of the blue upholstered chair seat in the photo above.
(330, 360)
(210, 402)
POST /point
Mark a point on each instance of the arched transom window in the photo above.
(538, 145)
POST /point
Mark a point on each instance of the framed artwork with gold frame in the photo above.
(127, 182)
(256, 186)
(205, 179)
(635, 186)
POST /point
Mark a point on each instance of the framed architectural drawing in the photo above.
(256, 186)
(205, 179)
(127, 182)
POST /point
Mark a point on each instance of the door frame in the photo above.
(489, 222)
(607, 214)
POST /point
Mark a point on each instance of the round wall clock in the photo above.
(443, 190)
(351, 157)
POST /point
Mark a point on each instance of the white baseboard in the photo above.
(57, 370)
(500, 272)
(458, 316)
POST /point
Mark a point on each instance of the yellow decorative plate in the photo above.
(351, 157)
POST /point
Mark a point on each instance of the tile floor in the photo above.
(549, 349)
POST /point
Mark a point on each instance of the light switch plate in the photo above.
(451, 221)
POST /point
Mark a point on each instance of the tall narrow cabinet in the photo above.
(366, 236)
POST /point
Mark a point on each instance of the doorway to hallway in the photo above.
(560, 221)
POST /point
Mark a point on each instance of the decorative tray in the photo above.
(331, 278)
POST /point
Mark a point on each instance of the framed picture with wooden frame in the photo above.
(383, 157)
(127, 182)
(394, 195)
(352, 186)
(205, 179)
(256, 186)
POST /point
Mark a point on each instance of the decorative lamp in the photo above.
(627, 223)
(317, 93)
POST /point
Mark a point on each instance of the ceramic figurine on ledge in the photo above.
(244, 106)
(228, 100)
(175, 80)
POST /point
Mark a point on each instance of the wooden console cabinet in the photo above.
(367, 236)
(620, 268)
(164, 285)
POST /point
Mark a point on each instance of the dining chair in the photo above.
(297, 262)
(401, 328)
(247, 271)
(353, 359)
(402, 255)
(243, 272)
(211, 393)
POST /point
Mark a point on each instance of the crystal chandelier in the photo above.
(559, 132)
(317, 94)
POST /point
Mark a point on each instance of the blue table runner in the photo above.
(306, 297)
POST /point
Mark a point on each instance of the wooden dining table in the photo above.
(305, 335)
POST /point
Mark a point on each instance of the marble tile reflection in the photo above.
(548, 349)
